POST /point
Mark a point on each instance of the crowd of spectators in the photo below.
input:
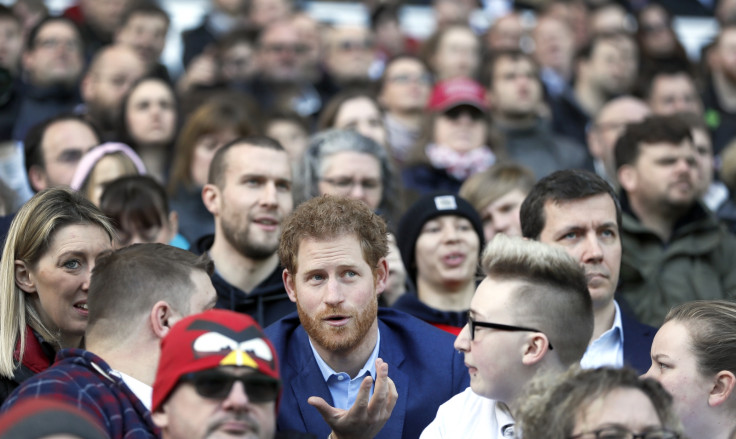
(292, 151)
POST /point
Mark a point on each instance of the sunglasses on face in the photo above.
(457, 112)
(215, 384)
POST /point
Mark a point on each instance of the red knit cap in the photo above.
(207, 341)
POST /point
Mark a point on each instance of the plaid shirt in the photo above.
(84, 380)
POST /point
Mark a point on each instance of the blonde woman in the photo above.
(45, 269)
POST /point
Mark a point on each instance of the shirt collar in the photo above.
(368, 367)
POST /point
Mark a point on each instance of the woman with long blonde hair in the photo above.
(45, 269)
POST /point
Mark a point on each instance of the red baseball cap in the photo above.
(454, 92)
(209, 340)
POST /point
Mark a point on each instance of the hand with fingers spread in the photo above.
(366, 417)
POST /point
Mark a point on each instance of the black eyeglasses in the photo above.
(474, 324)
(214, 384)
(455, 113)
(622, 433)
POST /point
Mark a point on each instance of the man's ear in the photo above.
(162, 318)
(381, 275)
(535, 349)
(37, 178)
(160, 417)
(288, 279)
(627, 177)
(23, 277)
(210, 198)
(723, 385)
(87, 88)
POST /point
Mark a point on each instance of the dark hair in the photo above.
(219, 165)
(586, 52)
(143, 7)
(33, 33)
(489, 65)
(7, 13)
(654, 129)
(218, 113)
(382, 80)
(34, 138)
(384, 12)
(559, 187)
(647, 84)
(137, 200)
(329, 114)
(124, 134)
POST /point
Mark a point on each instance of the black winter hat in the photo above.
(428, 207)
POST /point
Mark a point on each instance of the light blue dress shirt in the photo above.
(343, 389)
(608, 349)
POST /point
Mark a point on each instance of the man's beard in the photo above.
(339, 339)
(239, 239)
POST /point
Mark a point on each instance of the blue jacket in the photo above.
(425, 368)
(637, 343)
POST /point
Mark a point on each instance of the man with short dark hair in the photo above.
(602, 73)
(135, 296)
(54, 148)
(674, 247)
(515, 98)
(673, 91)
(334, 253)
(143, 27)
(249, 194)
(110, 75)
(579, 212)
(53, 61)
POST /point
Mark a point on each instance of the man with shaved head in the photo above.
(607, 127)
(109, 77)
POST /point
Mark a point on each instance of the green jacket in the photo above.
(698, 262)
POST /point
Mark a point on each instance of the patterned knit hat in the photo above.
(42, 417)
(209, 340)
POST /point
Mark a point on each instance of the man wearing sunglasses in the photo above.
(218, 375)
(530, 316)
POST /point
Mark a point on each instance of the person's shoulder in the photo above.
(417, 333)
(281, 331)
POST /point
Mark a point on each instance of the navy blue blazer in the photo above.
(637, 343)
(422, 363)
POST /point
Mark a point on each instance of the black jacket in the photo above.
(266, 303)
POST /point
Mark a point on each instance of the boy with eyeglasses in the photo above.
(218, 375)
(531, 315)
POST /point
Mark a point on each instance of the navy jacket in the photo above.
(425, 368)
(637, 343)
